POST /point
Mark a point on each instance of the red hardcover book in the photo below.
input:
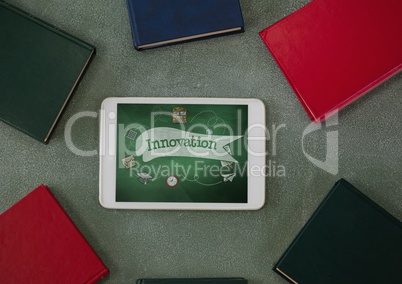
(334, 51)
(40, 244)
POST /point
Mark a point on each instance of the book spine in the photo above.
(98, 276)
(309, 112)
(372, 203)
(306, 226)
(263, 34)
(103, 271)
(134, 31)
(69, 95)
(386, 76)
(241, 16)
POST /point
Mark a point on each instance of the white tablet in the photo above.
(182, 153)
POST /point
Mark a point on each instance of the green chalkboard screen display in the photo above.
(181, 153)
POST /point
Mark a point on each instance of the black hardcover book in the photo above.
(193, 281)
(349, 239)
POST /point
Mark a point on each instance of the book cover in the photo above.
(348, 239)
(157, 23)
(334, 51)
(40, 66)
(40, 244)
(193, 281)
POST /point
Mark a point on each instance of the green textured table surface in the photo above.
(141, 244)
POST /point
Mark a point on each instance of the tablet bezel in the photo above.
(107, 166)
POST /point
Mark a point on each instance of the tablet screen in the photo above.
(181, 153)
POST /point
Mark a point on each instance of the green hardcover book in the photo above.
(349, 239)
(40, 66)
(193, 281)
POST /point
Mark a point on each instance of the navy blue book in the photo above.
(157, 23)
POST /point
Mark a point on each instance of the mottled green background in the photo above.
(151, 243)
(204, 188)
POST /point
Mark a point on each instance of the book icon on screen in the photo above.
(129, 162)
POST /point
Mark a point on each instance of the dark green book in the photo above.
(193, 281)
(40, 66)
(349, 239)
